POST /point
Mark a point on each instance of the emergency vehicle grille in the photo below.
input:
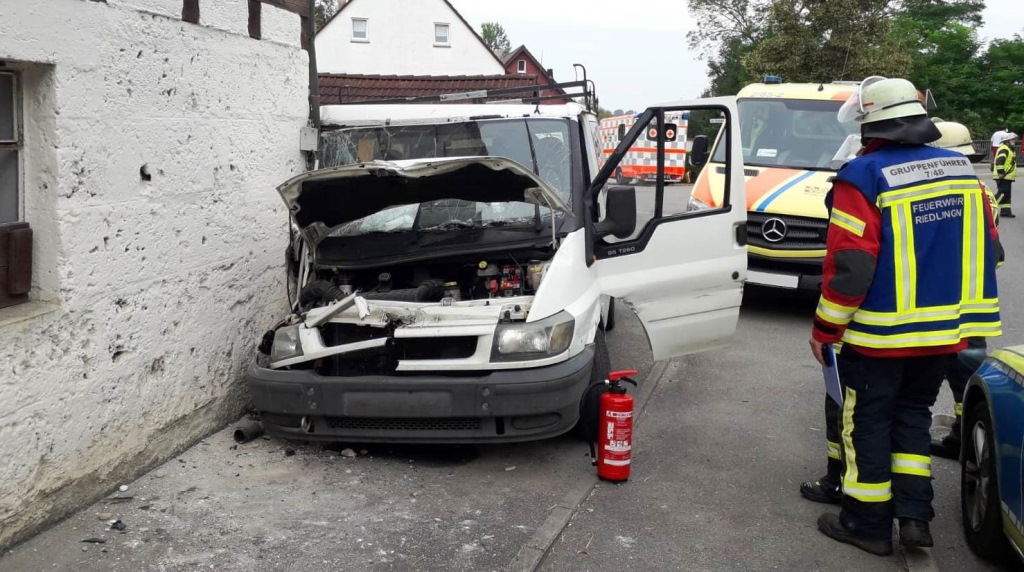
(797, 232)
(405, 424)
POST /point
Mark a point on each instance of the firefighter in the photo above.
(909, 275)
(957, 137)
(1004, 170)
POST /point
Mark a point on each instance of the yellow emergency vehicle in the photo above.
(791, 142)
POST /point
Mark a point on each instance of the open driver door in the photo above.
(679, 264)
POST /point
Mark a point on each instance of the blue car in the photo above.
(991, 458)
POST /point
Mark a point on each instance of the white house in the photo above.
(142, 152)
(402, 37)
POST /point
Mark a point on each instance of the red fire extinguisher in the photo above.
(615, 429)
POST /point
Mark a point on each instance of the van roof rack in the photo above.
(585, 93)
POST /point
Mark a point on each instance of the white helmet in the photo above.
(955, 137)
(1008, 137)
(880, 98)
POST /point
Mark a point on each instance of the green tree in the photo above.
(323, 10)
(1002, 99)
(496, 39)
(826, 40)
(729, 30)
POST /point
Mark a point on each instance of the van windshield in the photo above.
(542, 145)
(800, 134)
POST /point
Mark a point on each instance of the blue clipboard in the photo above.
(830, 371)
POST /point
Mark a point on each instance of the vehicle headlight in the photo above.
(286, 344)
(696, 204)
(519, 341)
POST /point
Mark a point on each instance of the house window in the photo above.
(10, 149)
(359, 30)
(441, 37)
(522, 66)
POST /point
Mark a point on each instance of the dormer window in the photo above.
(359, 30)
(441, 34)
(522, 66)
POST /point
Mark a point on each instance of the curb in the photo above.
(530, 556)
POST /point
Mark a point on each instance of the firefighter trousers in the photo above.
(959, 371)
(1004, 192)
(886, 440)
(833, 427)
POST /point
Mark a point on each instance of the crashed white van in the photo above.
(452, 266)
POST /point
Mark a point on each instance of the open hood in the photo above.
(322, 200)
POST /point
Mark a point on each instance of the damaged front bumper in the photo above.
(498, 406)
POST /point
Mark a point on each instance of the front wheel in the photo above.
(590, 404)
(979, 488)
(620, 178)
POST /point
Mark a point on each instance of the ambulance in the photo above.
(792, 145)
(640, 163)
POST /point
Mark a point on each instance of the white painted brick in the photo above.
(154, 325)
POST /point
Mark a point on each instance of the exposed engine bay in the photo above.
(444, 282)
(448, 313)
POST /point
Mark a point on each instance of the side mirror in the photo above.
(620, 213)
(699, 151)
(622, 131)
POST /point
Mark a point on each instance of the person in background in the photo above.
(956, 137)
(997, 139)
(1004, 170)
(909, 276)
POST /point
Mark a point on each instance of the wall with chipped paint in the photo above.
(149, 294)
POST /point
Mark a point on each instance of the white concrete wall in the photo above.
(150, 295)
(400, 40)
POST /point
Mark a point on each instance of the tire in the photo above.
(590, 404)
(609, 322)
(979, 488)
(620, 179)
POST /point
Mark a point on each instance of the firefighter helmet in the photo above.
(955, 137)
(879, 98)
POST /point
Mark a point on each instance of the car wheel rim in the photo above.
(977, 474)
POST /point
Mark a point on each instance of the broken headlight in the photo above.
(520, 341)
(286, 344)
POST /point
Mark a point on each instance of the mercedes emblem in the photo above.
(774, 230)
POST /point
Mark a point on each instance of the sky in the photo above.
(636, 52)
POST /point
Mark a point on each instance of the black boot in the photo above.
(915, 533)
(949, 446)
(1007, 214)
(833, 527)
(825, 490)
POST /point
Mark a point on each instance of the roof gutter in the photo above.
(314, 80)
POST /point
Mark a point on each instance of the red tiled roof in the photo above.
(350, 88)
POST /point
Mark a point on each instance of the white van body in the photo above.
(486, 323)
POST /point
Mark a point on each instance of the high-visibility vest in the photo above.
(935, 280)
(1005, 160)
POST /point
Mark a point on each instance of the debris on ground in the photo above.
(120, 499)
(122, 488)
(104, 515)
(288, 451)
(512, 468)
(118, 525)
(94, 540)
(348, 453)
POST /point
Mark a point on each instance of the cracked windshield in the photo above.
(541, 145)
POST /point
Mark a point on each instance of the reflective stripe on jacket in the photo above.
(934, 282)
(1004, 166)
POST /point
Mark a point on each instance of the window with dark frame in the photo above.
(15, 235)
(10, 149)
(522, 66)
(441, 36)
(359, 26)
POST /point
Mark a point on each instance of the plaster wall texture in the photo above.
(154, 290)
(400, 40)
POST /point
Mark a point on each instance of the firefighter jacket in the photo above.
(911, 254)
(1004, 166)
